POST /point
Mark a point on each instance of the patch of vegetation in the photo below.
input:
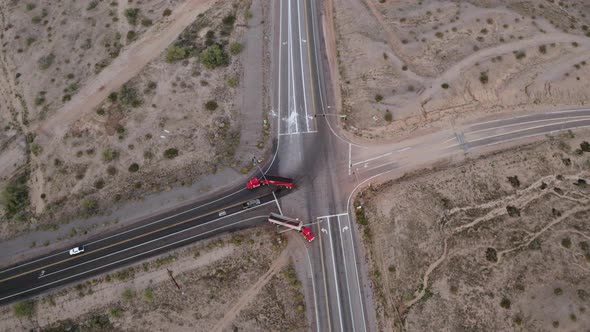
(133, 168)
(128, 96)
(175, 53)
(492, 255)
(361, 218)
(513, 211)
(388, 116)
(520, 55)
(116, 312)
(132, 14)
(378, 97)
(445, 85)
(483, 77)
(585, 146)
(109, 154)
(46, 61)
(148, 295)
(211, 105)
(90, 206)
(232, 81)
(171, 153)
(214, 56)
(24, 309)
(514, 181)
(15, 196)
(543, 49)
(131, 36)
(92, 4)
(566, 243)
(505, 303)
(167, 12)
(235, 48)
(558, 291)
(128, 294)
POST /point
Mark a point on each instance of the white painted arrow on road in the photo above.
(344, 228)
(324, 231)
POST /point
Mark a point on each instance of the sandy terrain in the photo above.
(103, 116)
(244, 280)
(499, 243)
(407, 65)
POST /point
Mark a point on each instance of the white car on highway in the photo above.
(75, 251)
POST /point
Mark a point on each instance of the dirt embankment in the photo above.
(495, 244)
(406, 65)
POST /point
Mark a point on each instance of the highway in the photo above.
(151, 237)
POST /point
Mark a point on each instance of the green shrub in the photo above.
(30, 6)
(483, 77)
(214, 57)
(378, 97)
(505, 303)
(445, 85)
(211, 105)
(89, 206)
(175, 53)
(146, 22)
(116, 312)
(24, 309)
(128, 96)
(46, 61)
(235, 48)
(36, 149)
(558, 291)
(585, 146)
(133, 168)
(229, 20)
(148, 295)
(109, 154)
(131, 36)
(15, 196)
(232, 81)
(167, 12)
(566, 242)
(92, 5)
(171, 153)
(132, 14)
(388, 116)
(128, 294)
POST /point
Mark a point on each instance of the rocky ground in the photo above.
(497, 243)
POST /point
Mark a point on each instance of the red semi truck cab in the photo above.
(256, 182)
(307, 234)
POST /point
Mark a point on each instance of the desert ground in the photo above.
(106, 101)
(244, 281)
(404, 67)
(500, 242)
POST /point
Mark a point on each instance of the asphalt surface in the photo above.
(150, 237)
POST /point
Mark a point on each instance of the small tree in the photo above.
(211, 105)
(128, 294)
(445, 85)
(133, 168)
(388, 116)
(167, 12)
(132, 14)
(46, 61)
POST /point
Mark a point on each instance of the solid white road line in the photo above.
(381, 165)
(335, 277)
(349, 158)
(527, 115)
(298, 133)
(280, 60)
(575, 110)
(147, 242)
(517, 131)
(333, 215)
(292, 80)
(529, 136)
(374, 158)
(315, 300)
(128, 258)
(31, 262)
(346, 274)
(301, 61)
(358, 283)
(579, 117)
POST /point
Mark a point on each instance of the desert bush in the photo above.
(175, 53)
(585, 146)
(171, 153)
(24, 309)
(90, 206)
(229, 20)
(558, 291)
(439, 34)
(132, 14)
(166, 12)
(46, 61)
(148, 295)
(566, 243)
(543, 49)
(513, 211)
(36, 149)
(116, 312)
(378, 97)
(133, 168)
(520, 55)
(232, 81)
(128, 294)
(514, 181)
(388, 116)
(214, 56)
(211, 105)
(483, 77)
(146, 22)
(492, 255)
(505, 303)
(92, 4)
(30, 6)
(235, 48)
(109, 154)
(15, 196)
(131, 36)
(128, 96)
(445, 85)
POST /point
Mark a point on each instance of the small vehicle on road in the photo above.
(222, 213)
(251, 203)
(75, 251)
(270, 180)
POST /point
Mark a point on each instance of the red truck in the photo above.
(269, 179)
(291, 223)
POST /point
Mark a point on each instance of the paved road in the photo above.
(151, 237)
